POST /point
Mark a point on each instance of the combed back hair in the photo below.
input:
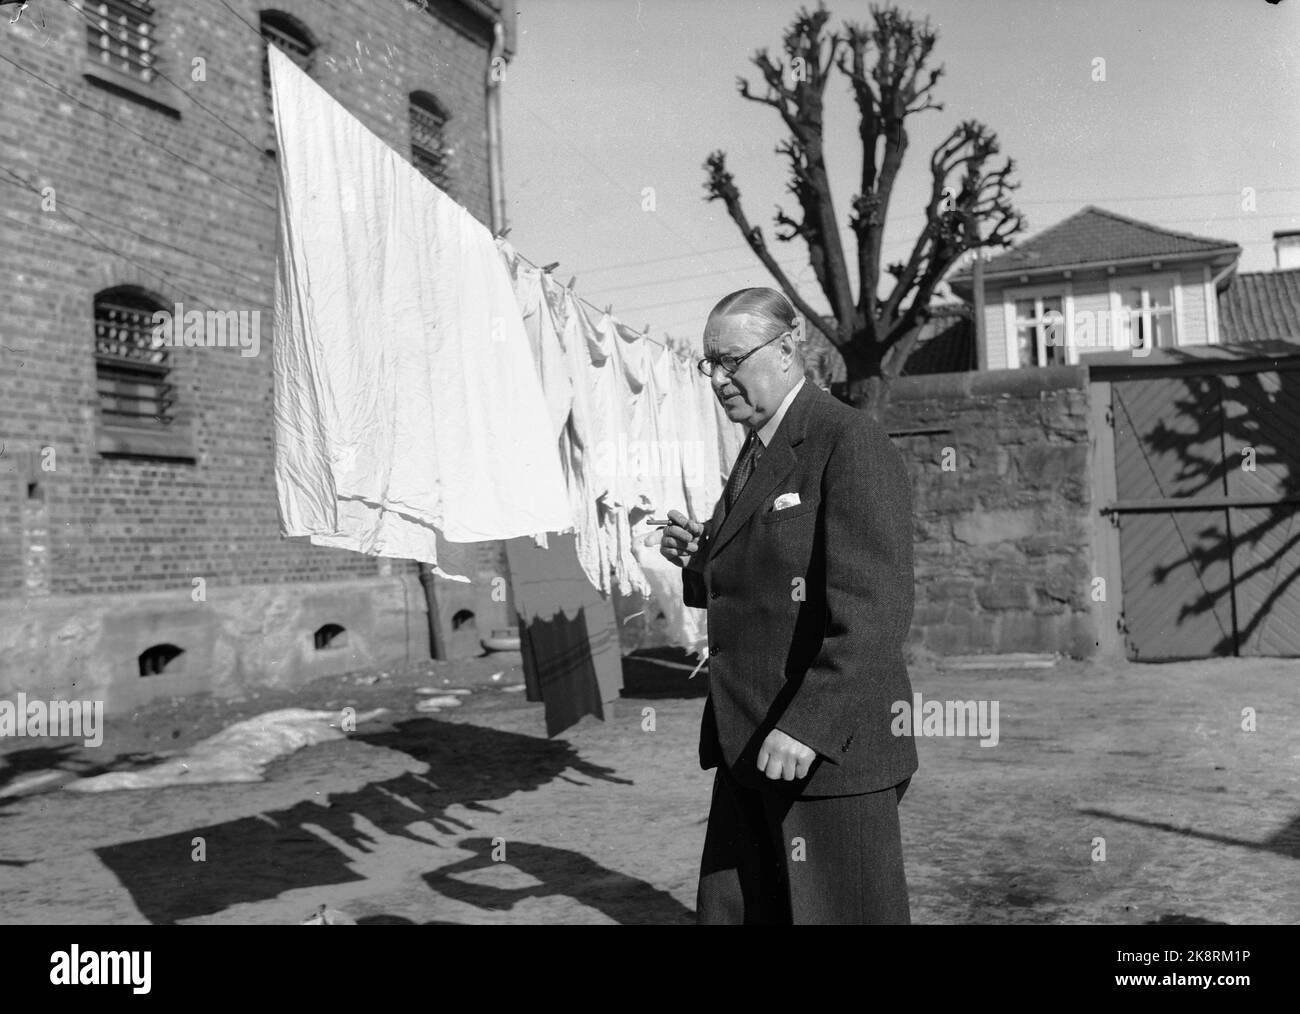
(771, 309)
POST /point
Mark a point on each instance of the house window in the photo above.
(131, 375)
(1148, 315)
(119, 34)
(1040, 331)
(429, 150)
(289, 36)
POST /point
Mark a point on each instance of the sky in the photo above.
(604, 98)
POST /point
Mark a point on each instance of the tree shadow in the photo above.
(1283, 842)
(1223, 434)
(259, 857)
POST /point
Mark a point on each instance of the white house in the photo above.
(1100, 282)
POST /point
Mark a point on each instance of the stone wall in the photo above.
(1001, 478)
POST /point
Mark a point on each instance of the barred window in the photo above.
(429, 150)
(291, 37)
(131, 373)
(119, 34)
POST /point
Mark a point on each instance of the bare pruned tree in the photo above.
(887, 63)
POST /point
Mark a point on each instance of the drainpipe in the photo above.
(497, 221)
(1213, 311)
(496, 174)
(497, 194)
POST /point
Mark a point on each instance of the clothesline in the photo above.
(593, 306)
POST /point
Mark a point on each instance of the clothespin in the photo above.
(609, 310)
(573, 281)
(551, 267)
(504, 233)
(646, 331)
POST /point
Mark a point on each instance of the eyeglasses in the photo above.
(730, 364)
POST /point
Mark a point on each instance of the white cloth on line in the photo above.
(406, 397)
(576, 438)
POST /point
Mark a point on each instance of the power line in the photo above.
(913, 215)
(166, 278)
(170, 278)
(240, 17)
(609, 312)
(609, 179)
(148, 140)
(252, 144)
(17, 181)
(705, 274)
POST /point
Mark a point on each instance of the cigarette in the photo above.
(658, 522)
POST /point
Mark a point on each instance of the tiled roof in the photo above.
(1096, 235)
(1259, 306)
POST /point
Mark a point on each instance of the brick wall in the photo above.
(1002, 506)
(101, 525)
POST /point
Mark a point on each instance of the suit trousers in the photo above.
(773, 858)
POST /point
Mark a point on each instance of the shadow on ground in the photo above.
(69, 758)
(1285, 842)
(663, 672)
(260, 857)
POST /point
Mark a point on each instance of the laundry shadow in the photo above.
(255, 858)
(65, 757)
(664, 672)
(625, 899)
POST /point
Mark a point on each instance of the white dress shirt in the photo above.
(769, 428)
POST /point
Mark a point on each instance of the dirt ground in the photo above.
(472, 815)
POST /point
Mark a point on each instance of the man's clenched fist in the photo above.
(784, 757)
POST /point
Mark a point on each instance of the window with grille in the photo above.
(119, 34)
(131, 374)
(291, 38)
(429, 151)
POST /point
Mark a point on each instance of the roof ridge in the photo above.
(1011, 251)
(1159, 229)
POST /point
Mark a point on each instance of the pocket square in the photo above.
(785, 500)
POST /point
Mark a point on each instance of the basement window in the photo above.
(159, 659)
(330, 636)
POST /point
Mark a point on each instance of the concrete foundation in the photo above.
(90, 647)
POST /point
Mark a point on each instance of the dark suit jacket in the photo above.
(809, 606)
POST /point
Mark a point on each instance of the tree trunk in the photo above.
(868, 376)
(870, 395)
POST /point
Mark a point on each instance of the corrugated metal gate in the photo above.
(1207, 483)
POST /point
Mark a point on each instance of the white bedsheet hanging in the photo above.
(406, 396)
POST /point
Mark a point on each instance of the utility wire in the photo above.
(127, 127)
(17, 181)
(252, 144)
(166, 278)
(597, 309)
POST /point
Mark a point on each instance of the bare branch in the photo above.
(721, 187)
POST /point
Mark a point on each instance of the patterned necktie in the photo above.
(743, 469)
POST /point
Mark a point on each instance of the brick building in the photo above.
(140, 551)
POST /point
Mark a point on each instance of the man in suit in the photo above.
(805, 569)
